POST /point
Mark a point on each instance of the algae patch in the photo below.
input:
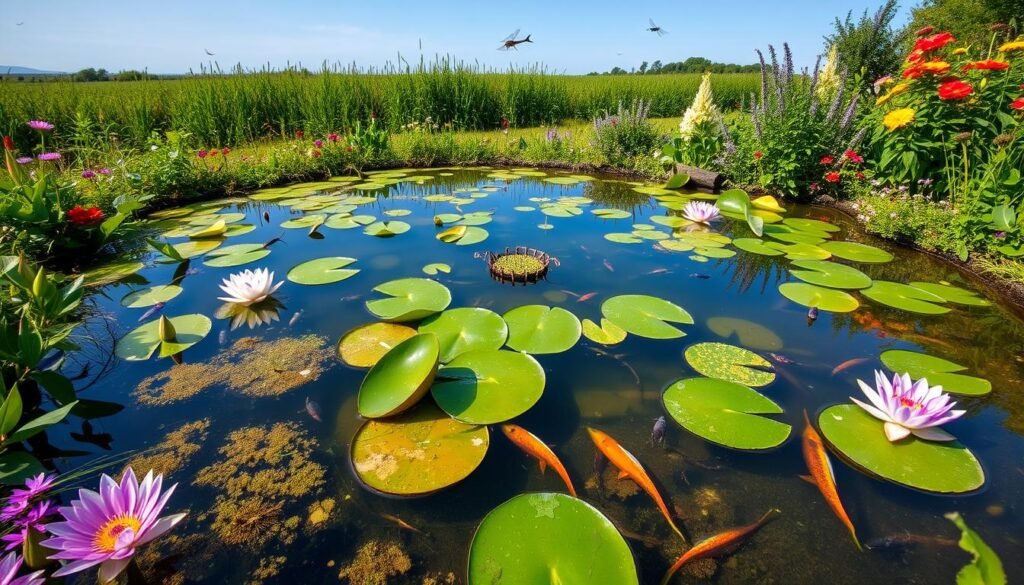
(375, 563)
(176, 450)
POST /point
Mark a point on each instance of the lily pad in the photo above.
(830, 274)
(236, 255)
(725, 413)
(322, 271)
(111, 272)
(386, 229)
(646, 316)
(857, 252)
(150, 296)
(433, 268)
(409, 299)
(561, 210)
(952, 294)
(540, 329)
(730, 363)
(811, 225)
(363, 346)
(539, 538)
(826, 299)
(400, 378)
(466, 329)
(756, 246)
(214, 230)
(748, 333)
(938, 371)
(858, 437)
(906, 297)
(473, 235)
(140, 343)
(801, 251)
(452, 234)
(767, 203)
(607, 333)
(488, 386)
(562, 180)
(417, 453)
(306, 221)
(611, 213)
(197, 247)
(621, 238)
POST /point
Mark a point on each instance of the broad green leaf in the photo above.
(322, 271)
(400, 378)
(409, 299)
(938, 371)
(539, 329)
(646, 316)
(488, 386)
(906, 297)
(150, 296)
(466, 329)
(730, 363)
(985, 567)
(830, 274)
(826, 299)
(725, 413)
(40, 424)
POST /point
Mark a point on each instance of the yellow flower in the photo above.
(960, 51)
(1012, 46)
(898, 118)
(895, 91)
(934, 66)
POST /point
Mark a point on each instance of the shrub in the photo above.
(626, 134)
(870, 47)
(898, 214)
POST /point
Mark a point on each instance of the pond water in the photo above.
(272, 493)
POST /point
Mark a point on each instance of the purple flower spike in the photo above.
(49, 156)
(909, 407)
(24, 160)
(9, 566)
(105, 528)
(41, 125)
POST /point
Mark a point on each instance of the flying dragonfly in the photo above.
(19, 24)
(207, 51)
(510, 41)
(656, 29)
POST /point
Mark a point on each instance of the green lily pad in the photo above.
(466, 329)
(737, 201)
(140, 343)
(646, 316)
(938, 371)
(858, 437)
(399, 379)
(150, 296)
(801, 251)
(611, 213)
(549, 538)
(952, 294)
(473, 235)
(111, 272)
(561, 210)
(792, 237)
(748, 333)
(677, 245)
(607, 333)
(386, 229)
(811, 225)
(725, 413)
(236, 255)
(197, 247)
(670, 221)
(524, 208)
(477, 218)
(857, 252)
(306, 221)
(417, 453)
(653, 190)
(397, 212)
(541, 329)
(488, 386)
(906, 297)
(715, 252)
(409, 299)
(830, 274)
(620, 238)
(562, 180)
(363, 346)
(322, 271)
(826, 299)
(345, 221)
(730, 363)
(433, 268)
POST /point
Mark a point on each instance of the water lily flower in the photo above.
(49, 156)
(249, 286)
(9, 566)
(909, 407)
(34, 486)
(105, 528)
(700, 212)
(41, 125)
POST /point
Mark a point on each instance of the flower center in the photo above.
(106, 539)
(907, 403)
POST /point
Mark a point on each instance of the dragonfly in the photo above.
(510, 41)
(656, 29)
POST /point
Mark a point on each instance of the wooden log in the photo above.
(702, 178)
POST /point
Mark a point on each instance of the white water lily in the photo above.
(700, 212)
(249, 286)
(699, 117)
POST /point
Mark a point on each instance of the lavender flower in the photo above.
(24, 160)
(9, 566)
(48, 156)
(909, 407)
(104, 171)
(41, 125)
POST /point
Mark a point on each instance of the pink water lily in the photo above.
(104, 528)
(909, 407)
(9, 566)
(700, 212)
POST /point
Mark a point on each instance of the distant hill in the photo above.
(16, 70)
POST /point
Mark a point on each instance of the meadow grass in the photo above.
(233, 109)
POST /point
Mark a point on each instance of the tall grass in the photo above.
(221, 108)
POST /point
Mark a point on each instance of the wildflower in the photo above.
(105, 528)
(8, 143)
(904, 188)
(896, 90)
(701, 112)
(960, 51)
(897, 119)
(955, 90)
(104, 171)
(82, 217)
(882, 82)
(700, 212)
(962, 137)
(934, 42)
(87, 174)
(9, 566)
(299, 134)
(758, 155)
(1002, 139)
(1017, 104)
(249, 286)
(202, 154)
(505, 123)
(924, 31)
(987, 65)
(48, 156)
(833, 177)
(225, 151)
(852, 156)
(860, 176)
(214, 152)
(40, 125)
(829, 79)
(909, 407)
(827, 159)
(333, 137)
(935, 67)
(24, 160)
(915, 57)
(999, 235)
(1011, 47)
(814, 187)
(316, 154)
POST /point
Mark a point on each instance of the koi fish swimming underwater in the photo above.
(536, 448)
(822, 475)
(718, 544)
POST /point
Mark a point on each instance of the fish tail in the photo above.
(856, 541)
(774, 513)
(672, 570)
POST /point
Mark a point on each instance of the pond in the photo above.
(260, 424)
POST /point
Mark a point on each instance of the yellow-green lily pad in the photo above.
(466, 329)
(826, 299)
(148, 297)
(731, 363)
(409, 299)
(363, 346)
(748, 333)
(607, 333)
(938, 371)
(322, 271)
(906, 297)
(830, 274)
(857, 252)
(140, 343)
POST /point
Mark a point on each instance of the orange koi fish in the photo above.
(718, 544)
(536, 448)
(586, 297)
(848, 364)
(822, 475)
(629, 467)
(402, 524)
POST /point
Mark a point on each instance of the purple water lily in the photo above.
(41, 125)
(700, 212)
(909, 407)
(20, 498)
(105, 528)
(9, 566)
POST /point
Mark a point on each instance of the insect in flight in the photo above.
(209, 53)
(656, 29)
(510, 41)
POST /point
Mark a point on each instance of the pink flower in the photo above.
(827, 159)
(24, 160)
(104, 171)
(909, 407)
(318, 143)
(49, 156)
(104, 528)
(9, 566)
(87, 174)
(41, 125)
(700, 212)
(202, 154)
(20, 498)
(225, 151)
(333, 137)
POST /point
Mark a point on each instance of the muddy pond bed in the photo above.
(355, 426)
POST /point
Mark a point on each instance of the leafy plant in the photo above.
(985, 567)
(870, 47)
(625, 134)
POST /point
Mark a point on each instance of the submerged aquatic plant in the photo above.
(9, 566)
(104, 528)
(249, 286)
(700, 212)
(909, 407)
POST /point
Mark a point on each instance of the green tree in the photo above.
(968, 20)
(870, 47)
(643, 68)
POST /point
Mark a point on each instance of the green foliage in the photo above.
(869, 48)
(985, 567)
(968, 20)
(899, 215)
(625, 134)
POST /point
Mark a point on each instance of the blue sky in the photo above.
(572, 36)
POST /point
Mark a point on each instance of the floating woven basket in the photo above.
(518, 265)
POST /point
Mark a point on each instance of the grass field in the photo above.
(245, 106)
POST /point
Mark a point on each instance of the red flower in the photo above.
(955, 90)
(350, 148)
(201, 154)
(833, 177)
(853, 157)
(80, 216)
(333, 137)
(987, 65)
(860, 176)
(915, 56)
(827, 159)
(924, 31)
(8, 143)
(934, 42)
(758, 155)
(299, 134)
(316, 154)
(225, 151)
(814, 187)
(1017, 104)
(214, 152)
(504, 123)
